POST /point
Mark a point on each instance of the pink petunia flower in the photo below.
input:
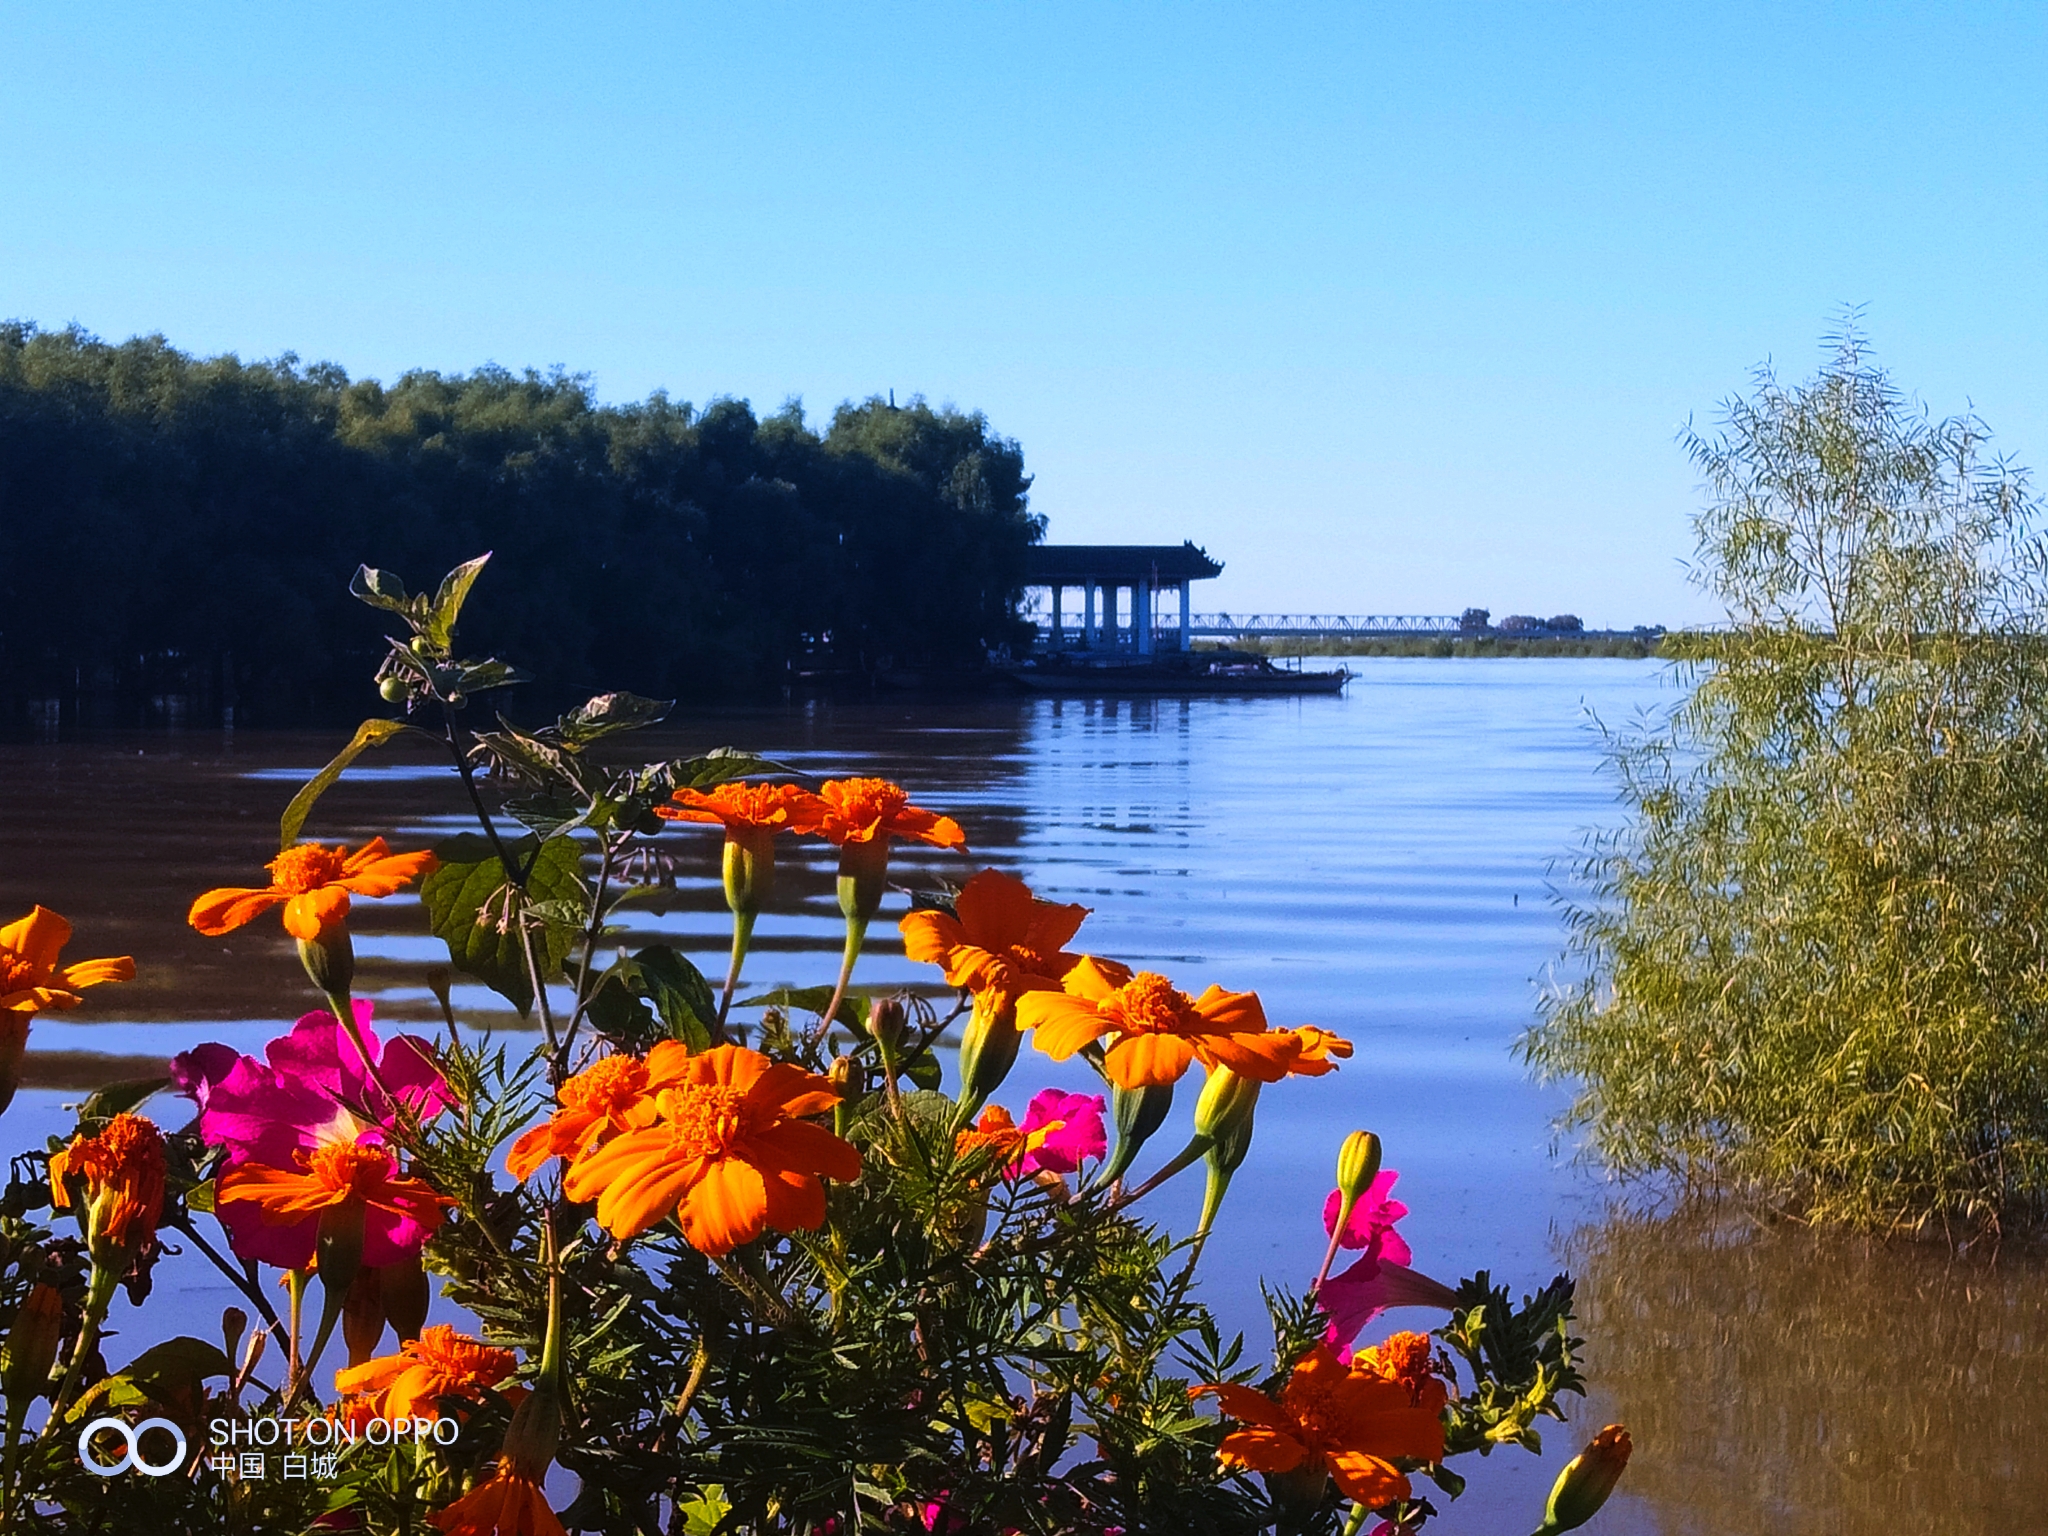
(1361, 1293)
(1061, 1130)
(310, 1090)
(1371, 1226)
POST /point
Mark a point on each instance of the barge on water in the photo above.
(1208, 672)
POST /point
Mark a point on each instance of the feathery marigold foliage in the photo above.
(1813, 964)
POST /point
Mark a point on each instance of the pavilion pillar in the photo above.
(1089, 633)
(1141, 614)
(1187, 642)
(1057, 592)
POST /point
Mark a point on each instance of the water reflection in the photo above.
(1779, 1381)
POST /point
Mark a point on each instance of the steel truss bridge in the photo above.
(1318, 626)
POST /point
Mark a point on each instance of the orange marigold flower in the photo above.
(1348, 1423)
(1406, 1358)
(730, 1153)
(31, 981)
(1002, 942)
(995, 1132)
(507, 1503)
(313, 882)
(1159, 1030)
(612, 1094)
(439, 1363)
(871, 810)
(122, 1171)
(760, 807)
(333, 1174)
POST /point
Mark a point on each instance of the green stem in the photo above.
(742, 936)
(99, 1295)
(856, 932)
(343, 1009)
(1336, 1234)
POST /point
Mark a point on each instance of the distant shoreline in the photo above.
(1626, 647)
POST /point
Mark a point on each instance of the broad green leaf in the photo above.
(179, 1362)
(439, 627)
(371, 733)
(654, 995)
(472, 884)
(381, 589)
(812, 1000)
(718, 766)
(925, 1071)
(120, 1098)
(607, 713)
(477, 676)
(705, 1514)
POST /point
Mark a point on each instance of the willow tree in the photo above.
(1813, 963)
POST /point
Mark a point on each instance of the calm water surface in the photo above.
(1375, 863)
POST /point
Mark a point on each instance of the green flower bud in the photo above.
(1138, 1113)
(1588, 1478)
(1227, 1100)
(1358, 1164)
(988, 1049)
(330, 961)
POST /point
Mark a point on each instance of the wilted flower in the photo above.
(121, 1174)
(1329, 1419)
(730, 1153)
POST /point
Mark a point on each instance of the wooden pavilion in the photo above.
(1103, 573)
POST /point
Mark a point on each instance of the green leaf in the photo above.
(120, 1098)
(439, 624)
(179, 1362)
(925, 1071)
(477, 676)
(381, 589)
(371, 733)
(653, 995)
(471, 883)
(718, 766)
(812, 1000)
(705, 1514)
(607, 713)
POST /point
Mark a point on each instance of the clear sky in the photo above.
(1395, 308)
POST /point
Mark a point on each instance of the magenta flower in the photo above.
(1371, 1226)
(1060, 1130)
(1361, 1293)
(309, 1091)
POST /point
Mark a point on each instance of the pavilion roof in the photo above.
(1049, 564)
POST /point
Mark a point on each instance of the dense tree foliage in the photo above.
(173, 525)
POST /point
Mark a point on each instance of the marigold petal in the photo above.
(311, 914)
(1367, 1479)
(224, 910)
(775, 1084)
(726, 1207)
(1237, 1012)
(1053, 926)
(38, 938)
(929, 936)
(636, 1201)
(795, 1201)
(668, 1065)
(1264, 1058)
(531, 1150)
(90, 973)
(1244, 1404)
(995, 910)
(1262, 1450)
(371, 1375)
(592, 1173)
(1064, 1024)
(926, 827)
(282, 1198)
(1094, 978)
(729, 1066)
(801, 1147)
(1148, 1061)
(387, 877)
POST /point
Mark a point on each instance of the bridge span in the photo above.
(1319, 626)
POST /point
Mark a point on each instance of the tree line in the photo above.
(179, 532)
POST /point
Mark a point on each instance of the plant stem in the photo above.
(240, 1282)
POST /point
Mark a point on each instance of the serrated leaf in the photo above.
(371, 733)
(718, 766)
(607, 713)
(441, 614)
(470, 877)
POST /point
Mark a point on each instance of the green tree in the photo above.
(1813, 965)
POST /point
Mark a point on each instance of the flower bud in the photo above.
(338, 1252)
(31, 1347)
(1358, 1164)
(535, 1431)
(362, 1315)
(330, 960)
(13, 1046)
(1588, 1478)
(887, 1022)
(863, 873)
(234, 1322)
(406, 1295)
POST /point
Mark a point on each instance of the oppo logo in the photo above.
(131, 1455)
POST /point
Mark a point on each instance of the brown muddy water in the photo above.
(1375, 863)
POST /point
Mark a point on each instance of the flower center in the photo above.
(704, 1119)
(864, 802)
(306, 868)
(1149, 1004)
(1030, 961)
(1314, 1415)
(15, 970)
(607, 1085)
(349, 1167)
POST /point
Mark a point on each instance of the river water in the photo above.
(1377, 863)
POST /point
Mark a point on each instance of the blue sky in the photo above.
(1394, 308)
